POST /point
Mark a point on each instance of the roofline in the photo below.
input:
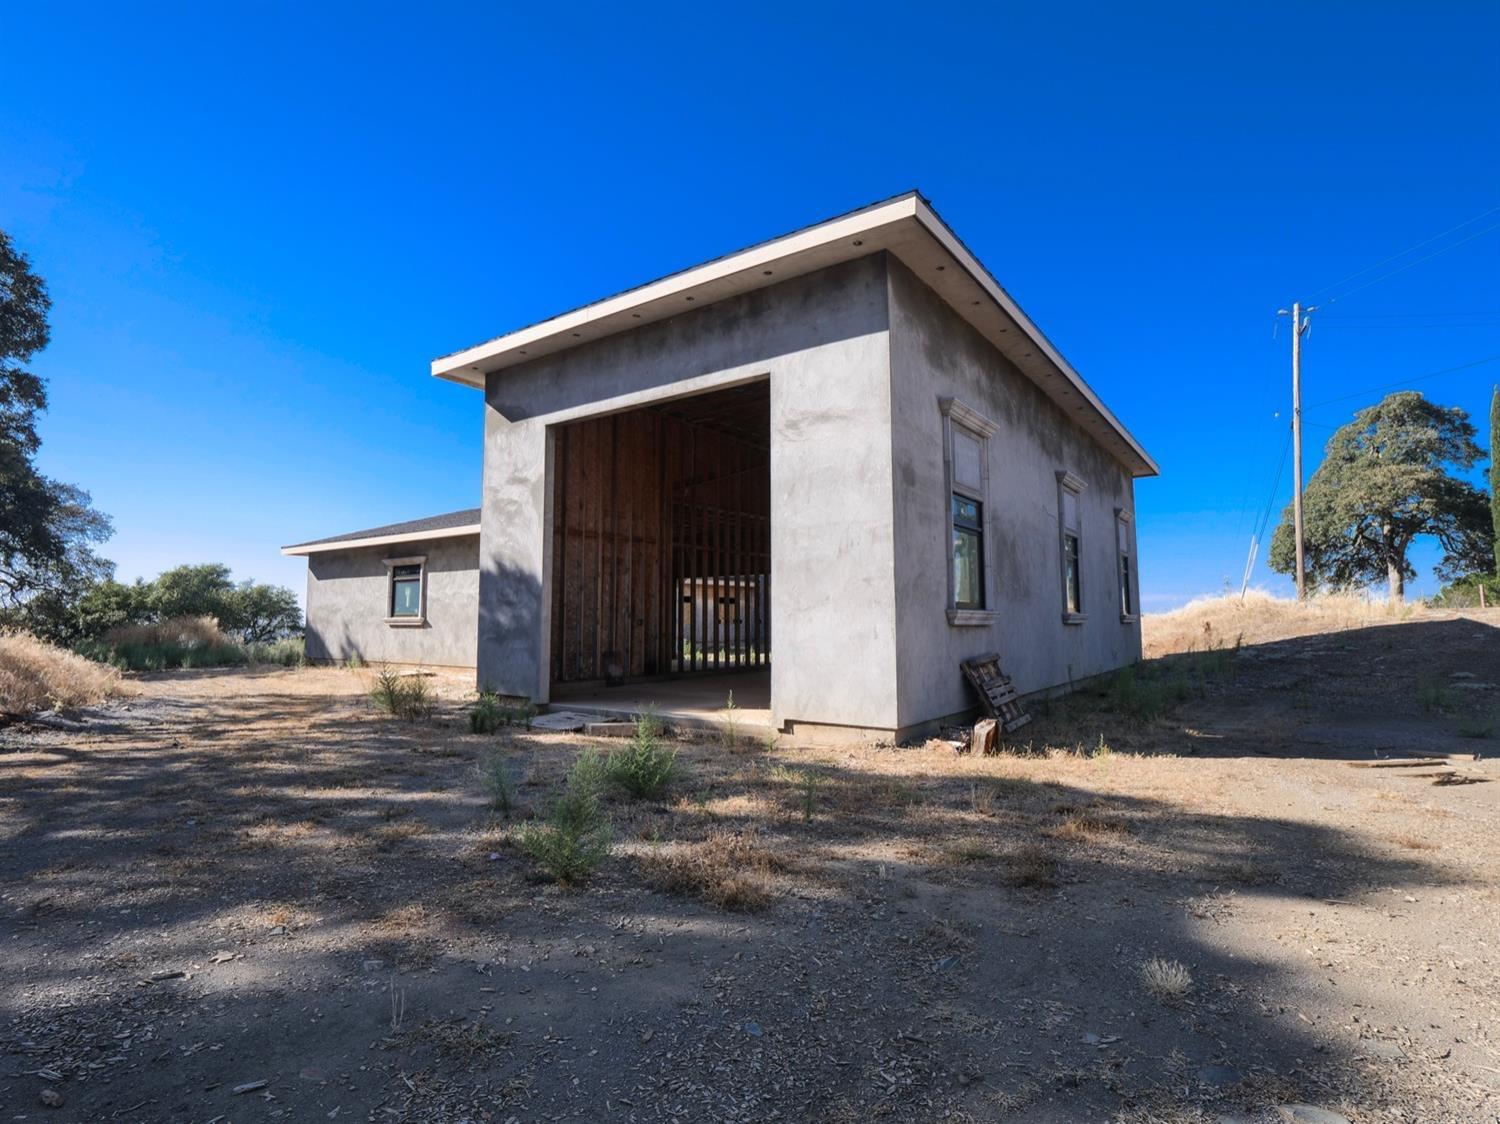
(464, 366)
(381, 540)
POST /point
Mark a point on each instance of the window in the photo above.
(1122, 545)
(968, 553)
(406, 603)
(965, 437)
(1069, 489)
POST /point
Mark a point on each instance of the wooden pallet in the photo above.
(995, 691)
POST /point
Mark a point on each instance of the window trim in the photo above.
(1067, 482)
(970, 421)
(420, 620)
(1125, 555)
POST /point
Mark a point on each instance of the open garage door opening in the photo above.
(661, 553)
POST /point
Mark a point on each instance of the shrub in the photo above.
(184, 642)
(35, 676)
(488, 715)
(290, 652)
(644, 767)
(494, 770)
(402, 696)
(491, 712)
(574, 838)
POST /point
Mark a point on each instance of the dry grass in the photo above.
(200, 632)
(730, 870)
(1167, 980)
(1413, 843)
(1030, 865)
(36, 676)
(1083, 827)
(1211, 622)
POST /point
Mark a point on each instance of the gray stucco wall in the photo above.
(858, 357)
(936, 354)
(347, 604)
(822, 342)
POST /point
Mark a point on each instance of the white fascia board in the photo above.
(456, 367)
(382, 540)
(876, 228)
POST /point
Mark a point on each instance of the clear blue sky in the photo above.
(260, 222)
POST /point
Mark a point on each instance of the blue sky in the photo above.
(260, 222)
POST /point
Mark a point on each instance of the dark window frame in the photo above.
(1070, 547)
(972, 528)
(959, 418)
(1125, 549)
(402, 572)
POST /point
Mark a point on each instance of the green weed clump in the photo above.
(574, 838)
(1434, 695)
(402, 696)
(491, 712)
(1147, 691)
(645, 766)
(494, 771)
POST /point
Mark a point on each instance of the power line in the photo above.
(1265, 517)
(1408, 250)
(1404, 382)
(1409, 265)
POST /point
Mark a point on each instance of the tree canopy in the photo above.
(47, 528)
(1388, 478)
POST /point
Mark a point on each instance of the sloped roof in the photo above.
(453, 524)
(906, 227)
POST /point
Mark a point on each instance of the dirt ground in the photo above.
(245, 895)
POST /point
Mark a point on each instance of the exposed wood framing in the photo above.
(661, 540)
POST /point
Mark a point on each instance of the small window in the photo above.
(1070, 488)
(968, 553)
(1122, 543)
(406, 590)
(965, 438)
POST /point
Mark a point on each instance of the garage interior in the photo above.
(661, 557)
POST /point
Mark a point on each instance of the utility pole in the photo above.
(1299, 325)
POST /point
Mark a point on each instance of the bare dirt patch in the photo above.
(245, 876)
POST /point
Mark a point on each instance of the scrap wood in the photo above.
(995, 691)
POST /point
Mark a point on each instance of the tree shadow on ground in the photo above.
(360, 932)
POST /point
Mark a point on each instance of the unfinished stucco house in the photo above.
(819, 472)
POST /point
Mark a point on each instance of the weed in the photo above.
(488, 714)
(1477, 726)
(808, 782)
(1167, 980)
(354, 662)
(575, 837)
(644, 767)
(398, 1007)
(1434, 696)
(1083, 826)
(402, 696)
(731, 725)
(494, 770)
(1029, 865)
(969, 852)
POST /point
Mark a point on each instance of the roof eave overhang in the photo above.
(906, 227)
(381, 540)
